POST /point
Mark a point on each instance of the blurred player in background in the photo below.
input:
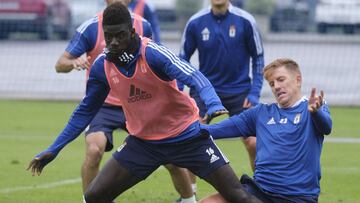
(162, 121)
(227, 39)
(238, 3)
(290, 134)
(147, 11)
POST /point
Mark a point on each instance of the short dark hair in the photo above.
(116, 13)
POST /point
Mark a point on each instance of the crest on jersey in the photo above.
(205, 34)
(232, 31)
(297, 118)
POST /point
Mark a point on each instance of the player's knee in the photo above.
(235, 192)
(250, 143)
(94, 154)
(91, 196)
(96, 193)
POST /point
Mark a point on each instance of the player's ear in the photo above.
(298, 80)
(132, 33)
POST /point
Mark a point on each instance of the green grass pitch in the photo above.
(28, 127)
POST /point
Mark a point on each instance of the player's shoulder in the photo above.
(155, 52)
(150, 6)
(198, 15)
(241, 13)
(152, 48)
(89, 24)
(99, 61)
(135, 16)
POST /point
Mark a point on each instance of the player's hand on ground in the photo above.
(81, 63)
(315, 101)
(39, 162)
(206, 119)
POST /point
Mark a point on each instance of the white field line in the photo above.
(341, 170)
(77, 180)
(342, 140)
(42, 186)
(348, 140)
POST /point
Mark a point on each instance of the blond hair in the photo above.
(289, 64)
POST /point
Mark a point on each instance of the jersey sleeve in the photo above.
(255, 48)
(188, 42)
(97, 90)
(151, 16)
(148, 32)
(84, 39)
(322, 120)
(246, 121)
(240, 125)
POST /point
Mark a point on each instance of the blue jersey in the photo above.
(225, 44)
(150, 15)
(165, 65)
(288, 146)
(86, 34)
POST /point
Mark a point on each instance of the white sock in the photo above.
(84, 201)
(194, 187)
(188, 200)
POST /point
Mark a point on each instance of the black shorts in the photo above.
(267, 197)
(107, 120)
(199, 154)
(232, 102)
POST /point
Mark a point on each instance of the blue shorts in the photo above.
(267, 197)
(232, 102)
(107, 120)
(199, 154)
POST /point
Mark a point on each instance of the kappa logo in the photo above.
(136, 94)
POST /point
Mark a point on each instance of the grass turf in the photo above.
(28, 127)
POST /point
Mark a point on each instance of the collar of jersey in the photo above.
(129, 69)
(220, 16)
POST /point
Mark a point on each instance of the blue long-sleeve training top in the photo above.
(288, 145)
(226, 43)
(164, 64)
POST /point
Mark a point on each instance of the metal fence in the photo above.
(329, 61)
